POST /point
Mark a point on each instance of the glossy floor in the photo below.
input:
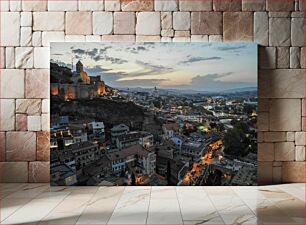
(41, 204)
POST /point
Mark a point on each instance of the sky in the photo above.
(190, 66)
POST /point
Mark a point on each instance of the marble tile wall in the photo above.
(28, 27)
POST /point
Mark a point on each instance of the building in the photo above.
(81, 74)
(97, 129)
(170, 129)
(119, 130)
(134, 138)
(133, 156)
(62, 174)
(83, 153)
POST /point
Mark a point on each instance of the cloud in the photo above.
(214, 82)
(139, 83)
(231, 48)
(79, 51)
(199, 59)
(150, 69)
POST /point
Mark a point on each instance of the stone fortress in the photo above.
(77, 85)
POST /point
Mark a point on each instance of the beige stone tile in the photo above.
(21, 122)
(181, 21)
(166, 20)
(279, 32)
(266, 152)
(28, 106)
(295, 57)
(10, 29)
(253, 5)
(300, 153)
(137, 5)
(199, 38)
(124, 22)
(15, 172)
(20, 146)
(24, 57)
(5, 5)
(2, 146)
(263, 121)
(34, 123)
(203, 5)
(293, 172)
(181, 39)
(41, 57)
(10, 57)
(261, 28)
(43, 146)
(7, 114)
(142, 38)
(78, 23)
(285, 115)
(170, 5)
(113, 5)
(39, 172)
(267, 57)
(142, 28)
(283, 57)
(26, 19)
(2, 57)
(56, 5)
(75, 38)
(52, 36)
(48, 21)
(275, 136)
(36, 87)
(91, 5)
(45, 106)
(264, 173)
(37, 38)
(25, 36)
(45, 122)
(12, 83)
(34, 5)
(206, 23)
(281, 83)
(284, 151)
(297, 32)
(238, 26)
(167, 33)
(300, 138)
(103, 23)
(93, 38)
(215, 38)
(290, 136)
(230, 5)
(273, 5)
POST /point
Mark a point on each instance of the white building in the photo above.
(119, 130)
(97, 129)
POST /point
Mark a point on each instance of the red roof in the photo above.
(171, 126)
(124, 153)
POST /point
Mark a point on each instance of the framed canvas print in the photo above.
(153, 114)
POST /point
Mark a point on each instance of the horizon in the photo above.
(180, 66)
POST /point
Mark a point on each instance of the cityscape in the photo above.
(120, 117)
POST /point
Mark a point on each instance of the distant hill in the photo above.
(188, 91)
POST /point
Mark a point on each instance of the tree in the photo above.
(133, 179)
(235, 142)
(169, 172)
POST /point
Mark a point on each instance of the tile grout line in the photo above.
(178, 201)
(214, 205)
(116, 205)
(86, 205)
(55, 207)
(149, 205)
